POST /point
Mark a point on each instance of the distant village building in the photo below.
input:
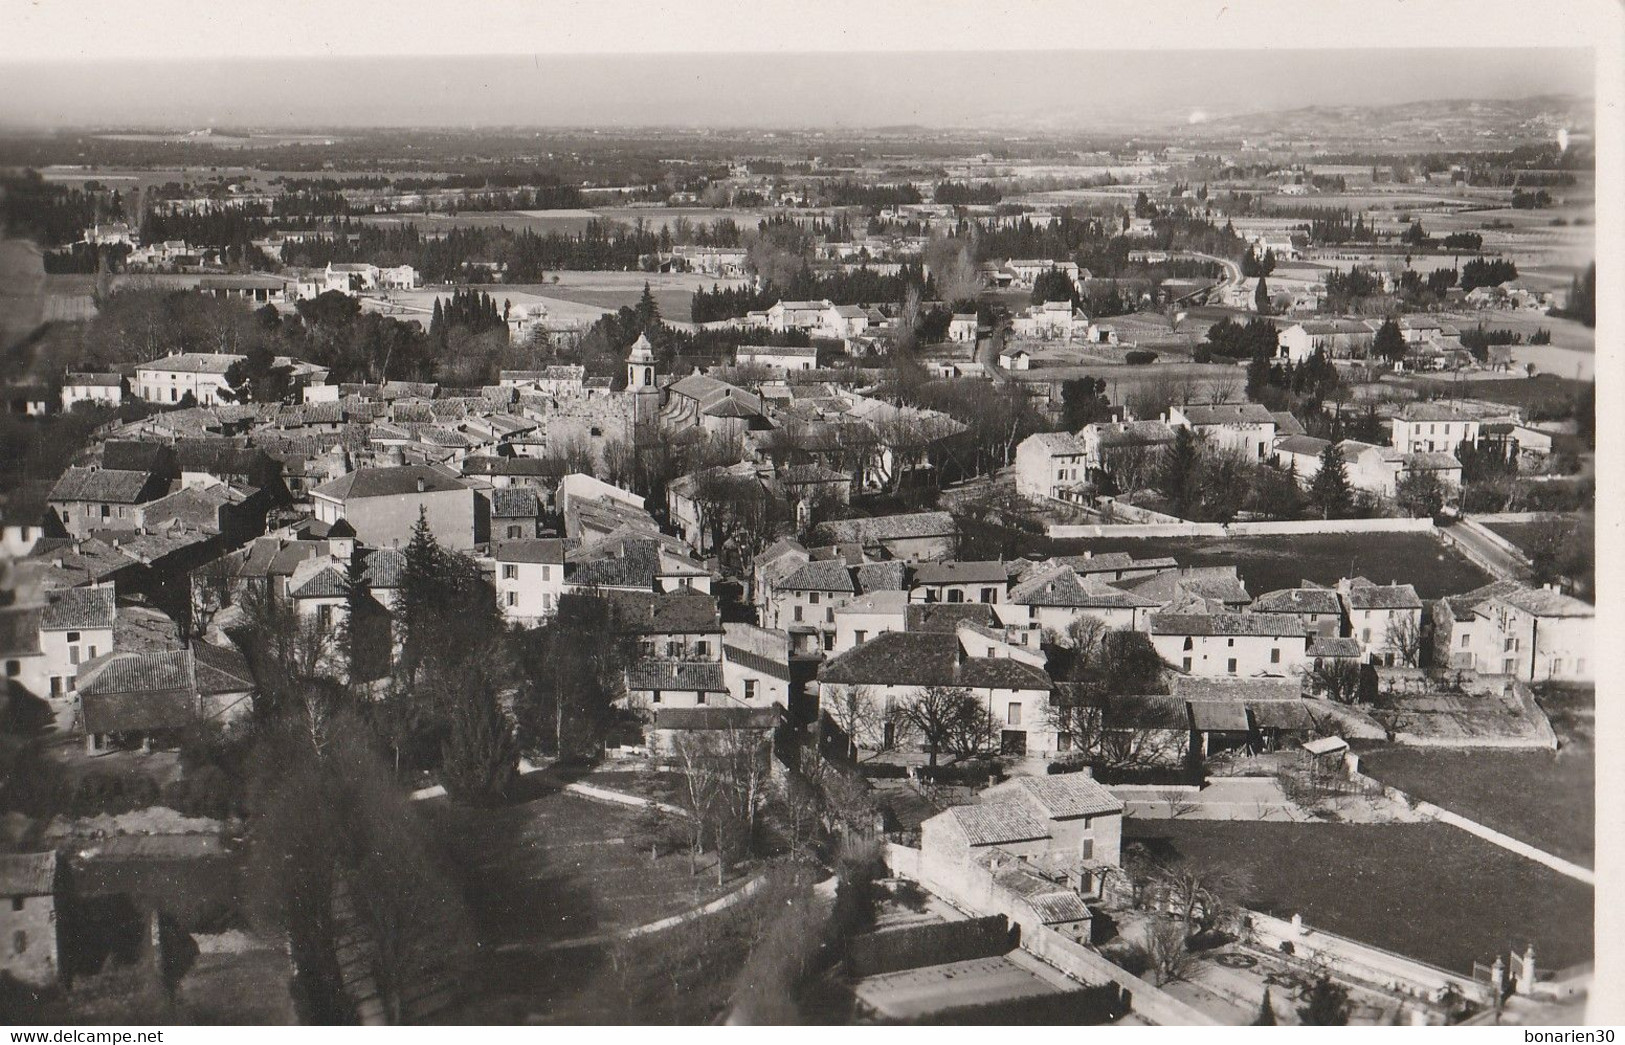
(199, 374)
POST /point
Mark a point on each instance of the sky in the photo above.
(839, 63)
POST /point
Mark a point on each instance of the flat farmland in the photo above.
(1545, 798)
(1427, 891)
(1270, 563)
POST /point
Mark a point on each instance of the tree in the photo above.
(1330, 491)
(571, 670)
(1165, 948)
(1131, 664)
(1053, 285)
(855, 711)
(1261, 297)
(1266, 1011)
(1326, 1005)
(1404, 635)
(480, 761)
(1275, 492)
(1336, 678)
(1420, 494)
(1180, 477)
(1389, 343)
(936, 713)
(1083, 401)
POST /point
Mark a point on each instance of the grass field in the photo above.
(1521, 534)
(1544, 798)
(1269, 563)
(552, 869)
(1544, 392)
(1427, 891)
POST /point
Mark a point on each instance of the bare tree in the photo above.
(1166, 951)
(935, 713)
(1336, 678)
(855, 711)
(977, 731)
(1405, 636)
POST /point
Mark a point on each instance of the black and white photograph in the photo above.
(926, 514)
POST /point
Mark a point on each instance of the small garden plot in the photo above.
(1428, 891)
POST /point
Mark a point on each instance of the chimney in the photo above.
(421, 484)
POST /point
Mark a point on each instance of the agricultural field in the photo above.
(1269, 563)
(1545, 798)
(569, 221)
(1427, 890)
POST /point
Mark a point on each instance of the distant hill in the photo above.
(1457, 121)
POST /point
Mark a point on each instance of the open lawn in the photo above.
(1541, 797)
(547, 870)
(1269, 563)
(1548, 393)
(1428, 891)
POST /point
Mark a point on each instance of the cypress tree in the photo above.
(1330, 490)
(1266, 1011)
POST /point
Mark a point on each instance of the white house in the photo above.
(1505, 628)
(756, 665)
(1247, 429)
(106, 389)
(1051, 320)
(350, 278)
(796, 315)
(1384, 618)
(1433, 427)
(892, 668)
(169, 379)
(400, 277)
(962, 327)
(1239, 644)
(1049, 463)
(1016, 359)
(777, 357)
(75, 626)
(529, 578)
(844, 321)
(862, 618)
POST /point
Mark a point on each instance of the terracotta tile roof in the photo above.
(650, 613)
(718, 718)
(997, 823)
(1298, 600)
(828, 575)
(945, 617)
(903, 658)
(1250, 624)
(651, 673)
(529, 549)
(75, 609)
(108, 485)
(889, 528)
(1370, 596)
(961, 573)
(514, 503)
(28, 874)
(1068, 795)
(389, 482)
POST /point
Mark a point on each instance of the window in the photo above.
(16, 903)
(1509, 645)
(513, 598)
(1365, 634)
(1275, 656)
(829, 642)
(812, 597)
(1508, 666)
(699, 698)
(674, 649)
(19, 942)
(829, 615)
(1230, 665)
(1187, 664)
(1230, 642)
(654, 698)
(990, 595)
(702, 648)
(858, 637)
(13, 668)
(1190, 643)
(547, 573)
(1464, 640)
(73, 636)
(1012, 715)
(798, 614)
(513, 531)
(750, 689)
(955, 595)
(73, 655)
(510, 573)
(1557, 665)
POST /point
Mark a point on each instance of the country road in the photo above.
(1486, 552)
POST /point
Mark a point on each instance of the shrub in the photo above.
(1139, 357)
(101, 793)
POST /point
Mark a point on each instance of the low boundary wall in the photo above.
(1244, 529)
(1071, 957)
(1363, 961)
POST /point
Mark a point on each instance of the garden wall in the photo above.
(1245, 529)
(937, 943)
(1362, 961)
(973, 890)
